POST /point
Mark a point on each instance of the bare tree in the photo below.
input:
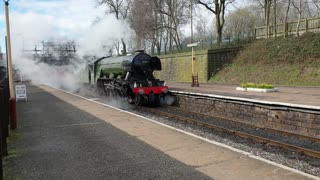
(286, 20)
(139, 22)
(201, 28)
(275, 18)
(316, 4)
(175, 11)
(149, 29)
(299, 9)
(217, 7)
(240, 23)
(312, 8)
(267, 7)
(120, 8)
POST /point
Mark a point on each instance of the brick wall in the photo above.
(177, 67)
(295, 120)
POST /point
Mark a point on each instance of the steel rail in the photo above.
(298, 149)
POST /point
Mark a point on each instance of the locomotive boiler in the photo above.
(131, 77)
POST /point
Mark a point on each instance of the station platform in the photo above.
(64, 136)
(294, 95)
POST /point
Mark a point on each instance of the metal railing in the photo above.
(306, 25)
(4, 120)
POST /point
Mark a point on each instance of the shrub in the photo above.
(254, 85)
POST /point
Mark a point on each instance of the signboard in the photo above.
(192, 45)
(21, 92)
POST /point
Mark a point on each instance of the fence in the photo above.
(4, 120)
(217, 58)
(306, 25)
(208, 44)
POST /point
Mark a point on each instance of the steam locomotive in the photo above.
(131, 77)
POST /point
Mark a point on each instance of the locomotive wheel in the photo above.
(99, 90)
(107, 91)
(129, 95)
(130, 99)
(157, 101)
(151, 99)
(137, 100)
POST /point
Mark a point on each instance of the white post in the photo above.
(192, 62)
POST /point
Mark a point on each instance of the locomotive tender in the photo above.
(131, 77)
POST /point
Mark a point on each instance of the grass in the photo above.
(13, 136)
(13, 153)
(254, 85)
(293, 62)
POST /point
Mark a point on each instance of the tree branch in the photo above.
(206, 6)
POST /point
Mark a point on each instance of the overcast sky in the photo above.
(35, 20)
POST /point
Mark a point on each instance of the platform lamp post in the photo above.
(12, 100)
(195, 82)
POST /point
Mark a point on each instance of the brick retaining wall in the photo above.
(177, 67)
(295, 120)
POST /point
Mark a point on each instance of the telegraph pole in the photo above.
(9, 50)
(12, 99)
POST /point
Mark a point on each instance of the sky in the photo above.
(32, 21)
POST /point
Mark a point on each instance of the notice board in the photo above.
(21, 92)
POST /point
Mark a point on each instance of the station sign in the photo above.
(192, 45)
(21, 92)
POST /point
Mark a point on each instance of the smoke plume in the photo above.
(61, 21)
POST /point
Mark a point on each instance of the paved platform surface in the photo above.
(293, 95)
(59, 141)
(62, 136)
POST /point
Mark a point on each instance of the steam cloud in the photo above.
(69, 20)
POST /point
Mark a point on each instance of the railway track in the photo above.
(301, 144)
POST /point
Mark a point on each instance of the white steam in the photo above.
(103, 35)
(55, 76)
(63, 21)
